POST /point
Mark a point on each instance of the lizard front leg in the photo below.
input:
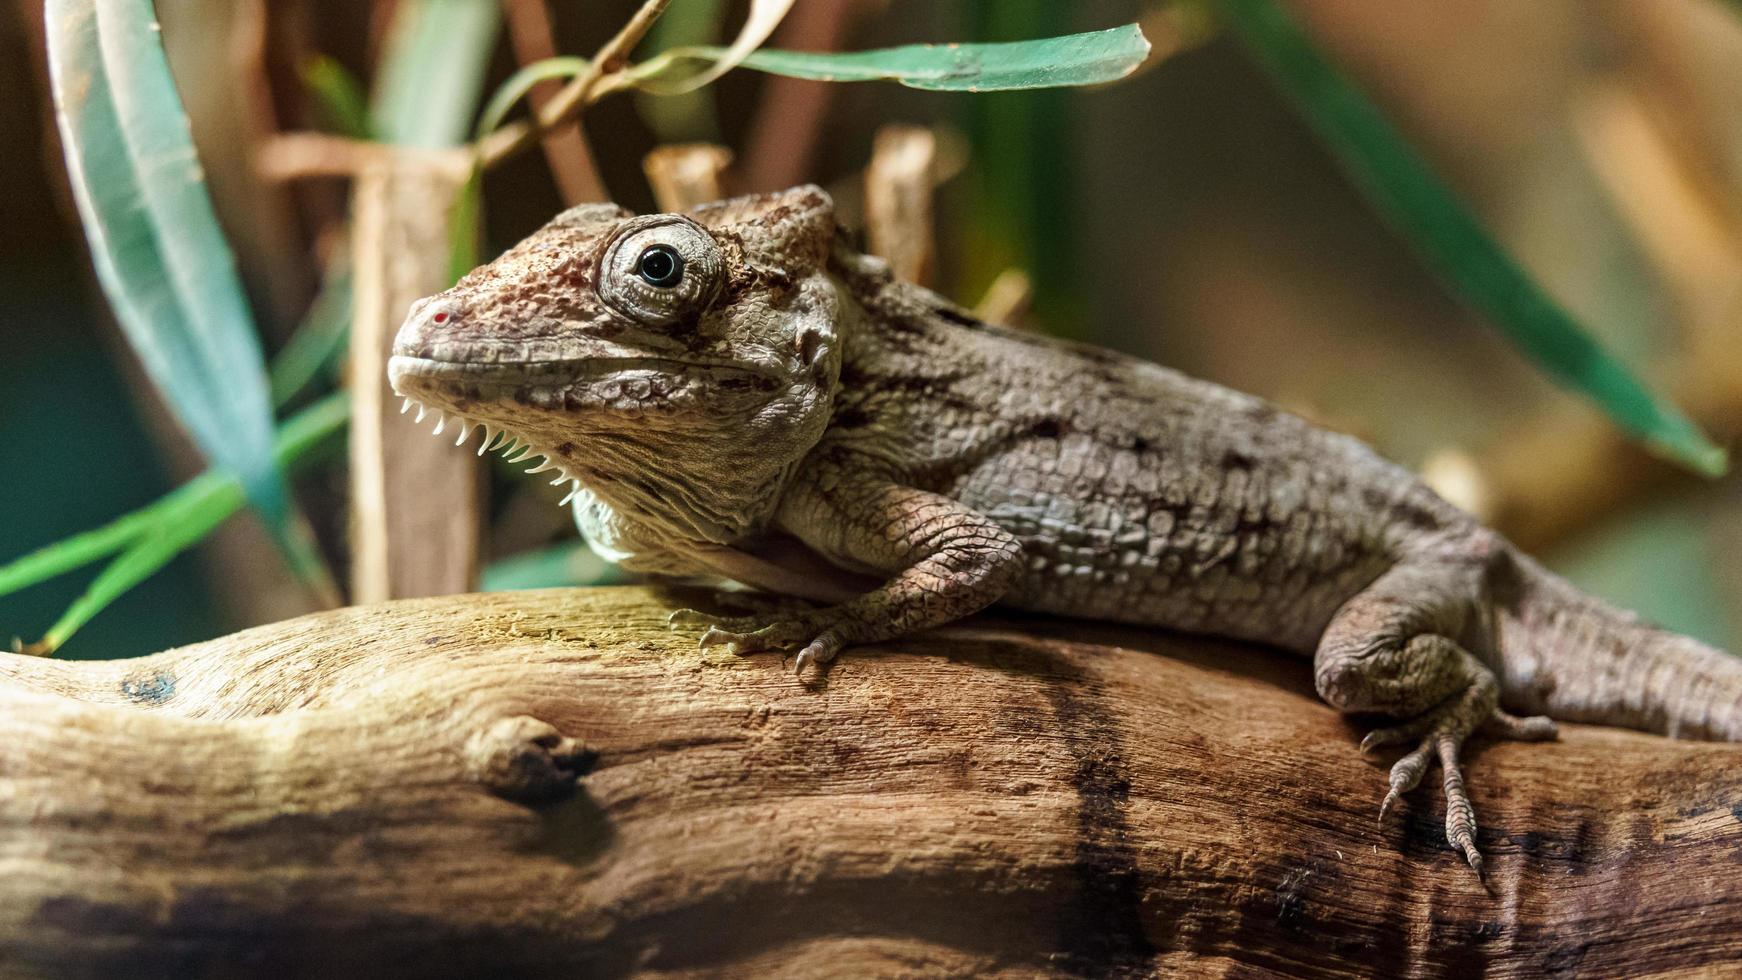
(944, 561)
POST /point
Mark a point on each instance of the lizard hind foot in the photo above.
(1439, 735)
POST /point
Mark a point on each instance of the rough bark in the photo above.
(391, 790)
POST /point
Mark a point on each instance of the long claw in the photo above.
(1385, 807)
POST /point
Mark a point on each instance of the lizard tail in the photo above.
(1576, 658)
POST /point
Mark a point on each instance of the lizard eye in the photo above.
(660, 268)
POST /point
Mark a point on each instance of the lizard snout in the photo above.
(425, 323)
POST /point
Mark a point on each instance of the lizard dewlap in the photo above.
(736, 392)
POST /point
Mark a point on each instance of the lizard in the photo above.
(737, 392)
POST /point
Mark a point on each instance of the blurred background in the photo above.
(1186, 214)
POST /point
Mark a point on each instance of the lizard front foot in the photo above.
(817, 635)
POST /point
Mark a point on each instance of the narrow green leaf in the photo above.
(1399, 183)
(691, 116)
(764, 17)
(318, 342)
(153, 535)
(433, 70)
(88, 546)
(180, 529)
(154, 239)
(1074, 59)
(339, 96)
(515, 87)
(465, 226)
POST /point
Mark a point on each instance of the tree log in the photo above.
(553, 782)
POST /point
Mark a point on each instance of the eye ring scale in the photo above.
(660, 266)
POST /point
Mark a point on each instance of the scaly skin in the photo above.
(781, 412)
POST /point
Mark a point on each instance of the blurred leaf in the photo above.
(153, 535)
(84, 548)
(433, 70)
(1025, 147)
(570, 563)
(688, 117)
(1399, 183)
(1074, 59)
(154, 239)
(318, 343)
(465, 226)
(764, 17)
(515, 87)
(179, 529)
(339, 96)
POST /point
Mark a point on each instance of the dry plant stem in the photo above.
(684, 175)
(565, 148)
(574, 97)
(417, 503)
(899, 183)
(1007, 300)
(392, 791)
(297, 156)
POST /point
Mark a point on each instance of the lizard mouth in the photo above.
(425, 384)
(467, 394)
(404, 367)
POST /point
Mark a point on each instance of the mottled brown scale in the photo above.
(822, 429)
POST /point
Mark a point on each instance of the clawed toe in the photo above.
(1438, 736)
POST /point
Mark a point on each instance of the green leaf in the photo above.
(181, 528)
(1399, 183)
(465, 226)
(155, 241)
(88, 546)
(339, 97)
(1075, 59)
(318, 342)
(764, 17)
(150, 537)
(515, 87)
(689, 117)
(433, 70)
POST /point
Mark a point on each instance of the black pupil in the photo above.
(660, 265)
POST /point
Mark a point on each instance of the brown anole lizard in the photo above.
(737, 392)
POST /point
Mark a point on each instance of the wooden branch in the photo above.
(417, 503)
(390, 791)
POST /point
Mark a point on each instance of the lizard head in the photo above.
(665, 338)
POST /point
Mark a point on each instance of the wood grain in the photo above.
(390, 790)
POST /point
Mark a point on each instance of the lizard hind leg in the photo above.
(1389, 650)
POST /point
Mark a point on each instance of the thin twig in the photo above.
(565, 149)
(581, 91)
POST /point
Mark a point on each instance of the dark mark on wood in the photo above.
(150, 689)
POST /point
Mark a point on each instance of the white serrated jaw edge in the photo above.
(516, 449)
